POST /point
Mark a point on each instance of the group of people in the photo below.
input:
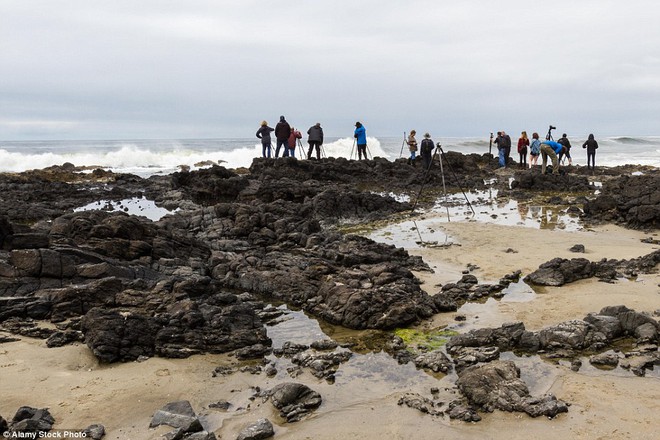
(288, 137)
(426, 149)
(558, 151)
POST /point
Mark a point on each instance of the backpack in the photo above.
(427, 146)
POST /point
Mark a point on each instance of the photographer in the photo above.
(552, 149)
(426, 148)
(566, 143)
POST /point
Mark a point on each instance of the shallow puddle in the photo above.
(134, 206)
(488, 208)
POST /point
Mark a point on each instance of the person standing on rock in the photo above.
(566, 143)
(503, 142)
(552, 149)
(291, 142)
(591, 145)
(282, 133)
(426, 149)
(315, 140)
(534, 150)
(264, 134)
(523, 143)
(360, 135)
(412, 146)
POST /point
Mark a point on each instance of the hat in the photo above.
(426, 135)
(281, 118)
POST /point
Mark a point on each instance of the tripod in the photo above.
(442, 173)
(548, 137)
(402, 144)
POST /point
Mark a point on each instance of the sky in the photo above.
(128, 69)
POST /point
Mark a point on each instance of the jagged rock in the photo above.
(252, 352)
(465, 356)
(420, 403)
(578, 248)
(294, 400)
(505, 337)
(459, 411)
(34, 420)
(322, 365)
(60, 338)
(95, 431)
(261, 429)
(497, 385)
(434, 360)
(178, 414)
(576, 335)
(605, 360)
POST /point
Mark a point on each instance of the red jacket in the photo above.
(295, 135)
(523, 144)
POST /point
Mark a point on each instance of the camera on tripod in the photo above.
(548, 137)
(552, 127)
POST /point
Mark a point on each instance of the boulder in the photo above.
(294, 400)
(258, 430)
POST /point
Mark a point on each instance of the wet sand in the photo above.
(362, 404)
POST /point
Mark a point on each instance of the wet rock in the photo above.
(610, 326)
(294, 400)
(497, 385)
(578, 248)
(420, 403)
(465, 356)
(505, 337)
(221, 405)
(638, 363)
(435, 361)
(179, 414)
(252, 352)
(322, 365)
(33, 420)
(575, 335)
(95, 432)
(61, 338)
(324, 344)
(560, 271)
(605, 360)
(290, 348)
(459, 411)
(261, 429)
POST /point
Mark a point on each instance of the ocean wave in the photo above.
(632, 140)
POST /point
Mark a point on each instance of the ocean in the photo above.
(163, 156)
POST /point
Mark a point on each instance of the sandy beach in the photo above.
(604, 405)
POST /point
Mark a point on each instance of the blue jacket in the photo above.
(535, 148)
(361, 135)
(556, 146)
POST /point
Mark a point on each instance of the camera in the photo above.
(552, 127)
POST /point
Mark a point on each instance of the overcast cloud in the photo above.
(86, 69)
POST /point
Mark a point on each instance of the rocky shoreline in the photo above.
(199, 279)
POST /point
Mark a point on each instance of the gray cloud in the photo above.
(94, 69)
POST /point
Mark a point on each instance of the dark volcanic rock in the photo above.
(259, 430)
(497, 385)
(631, 200)
(33, 420)
(560, 271)
(294, 400)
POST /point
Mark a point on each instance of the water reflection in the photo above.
(140, 206)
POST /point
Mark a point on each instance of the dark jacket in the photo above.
(426, 147)
(565, 142)
(591, 145)
(315, 134)
(264, 134)
(282, 130)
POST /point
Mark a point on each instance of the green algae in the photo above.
(431, 340)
